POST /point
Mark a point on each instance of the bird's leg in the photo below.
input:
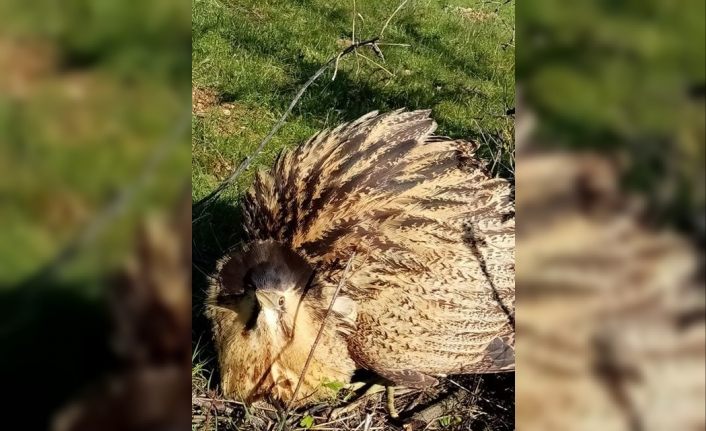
(439, 408)
(391, 402)
(354, 387)
(372, 390)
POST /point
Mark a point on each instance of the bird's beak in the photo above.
(267, 299)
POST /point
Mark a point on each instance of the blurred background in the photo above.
(623, 77)
(610, 202)
(94, 166)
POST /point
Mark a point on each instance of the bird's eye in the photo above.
(281, 301)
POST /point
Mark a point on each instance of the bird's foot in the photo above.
(355, 404)
(391, 409)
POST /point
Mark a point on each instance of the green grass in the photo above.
(252, 57)
(257, 54)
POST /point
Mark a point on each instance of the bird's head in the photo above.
(259, 291)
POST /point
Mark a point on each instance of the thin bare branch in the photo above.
(393, 44)
(459, 385)
(377, 64)
(335, 68)
(321, 329)
(203, 203)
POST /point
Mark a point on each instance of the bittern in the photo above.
(416, 231)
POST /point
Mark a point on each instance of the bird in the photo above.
(391, 246)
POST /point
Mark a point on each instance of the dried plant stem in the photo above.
(354, 15)
(377, 64)
(321, 329)
(382, 32)
(335, 68)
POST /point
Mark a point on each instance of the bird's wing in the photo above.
(325, 189)
(365, 182)
(432, 231)
(408, 378)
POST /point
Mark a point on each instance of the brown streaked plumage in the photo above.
(430, 291)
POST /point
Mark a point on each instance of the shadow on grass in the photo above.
(348, 98)
(214, 232)
(495, 398)
(351, 96)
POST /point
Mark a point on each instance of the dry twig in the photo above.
(382, 32)
(321, 329)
